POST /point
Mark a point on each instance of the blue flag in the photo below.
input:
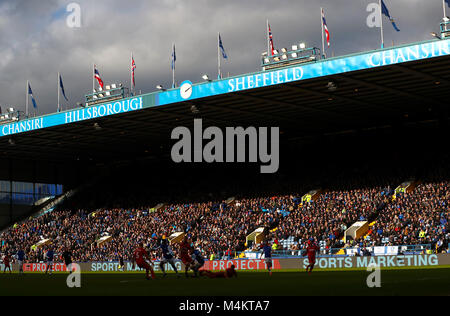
(224, 54)
(448, 2)
(30, 92)
(174, 57)
(385, 11)
(62, 88)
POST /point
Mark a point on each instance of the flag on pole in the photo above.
(224, 54)
(448, 2)
(30, 93)
(174, 58)
(133, 68)
(62, 88)
(325, 27)
(385, 11)
(271, 46)
(97, 76)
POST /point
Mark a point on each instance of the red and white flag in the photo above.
(325, 28)
(133, 68)
(97, 76)
(271, 46)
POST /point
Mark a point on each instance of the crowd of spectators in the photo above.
(418, 217)
(221, 228)
(327, 218)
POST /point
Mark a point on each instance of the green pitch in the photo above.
(393, 282)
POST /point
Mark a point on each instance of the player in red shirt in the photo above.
(142, 259)
(185, 254)
(6, 261)
(311, 252)
(228, 273)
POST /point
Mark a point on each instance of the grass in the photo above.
(287, 283)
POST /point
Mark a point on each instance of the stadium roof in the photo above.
(368, 90)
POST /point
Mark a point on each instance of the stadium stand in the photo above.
(420, 217)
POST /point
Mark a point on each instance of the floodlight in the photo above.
(284, 57)
(266, 60)
(302, 45)
(206, 77)
(284, 50)
(264, 54)
(332, 86)
(275, 52)
(11, 110)
(101, 95)
(294, 47)
(108, 94)
(276, 59)
(97, 127)
(114, 86)
(100, 89)
(94, 97)
(294, 55)
(160, 87)
(435, 35)
(108, 87)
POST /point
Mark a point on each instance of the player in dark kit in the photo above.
(167, 257)
(311, 250)
(198, 261)
(267, 250)
(67, 257)
(49, 256)
(20, 259)
(142, 259)
(228, 273)
(185, 251)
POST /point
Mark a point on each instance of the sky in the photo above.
(36, 42)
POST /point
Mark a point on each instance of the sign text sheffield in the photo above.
(264, 79)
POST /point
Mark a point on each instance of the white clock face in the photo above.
(186, 90)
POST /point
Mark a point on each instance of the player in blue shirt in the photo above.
(20, 259)
(199, 261)
(49, 256)
(267, 250)
(167, 257)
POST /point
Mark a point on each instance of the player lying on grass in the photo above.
(143, 261)
(228, 273)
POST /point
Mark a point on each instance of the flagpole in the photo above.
(93, 78)
(269, 52)
(26, 107)
(323, 38)
(445, 9)
(381, 20)
(131, 74)
(173, 68)
(218, 57)
(57, 84)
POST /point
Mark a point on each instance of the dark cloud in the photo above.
(35, 42)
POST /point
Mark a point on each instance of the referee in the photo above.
(67, 256)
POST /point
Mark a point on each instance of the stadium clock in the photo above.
(186, 90)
